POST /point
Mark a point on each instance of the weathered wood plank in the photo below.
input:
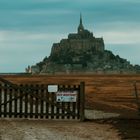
(47, 104)
(31, 103)
(0, 98)
(5, 100)
(63, 104)
(57, 108)
(68, 104)
(21, 103)
(15, 103)
(52, 106)
(74, 104)
(42, 102)
(78, 103)
(10, 103)
(36, 102)
(26, 102)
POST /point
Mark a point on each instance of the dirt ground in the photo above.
(55, 130)
(27, 129)
(98, 125)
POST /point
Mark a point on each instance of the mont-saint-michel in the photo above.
(82, 52)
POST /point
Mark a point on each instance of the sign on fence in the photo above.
(66, 96)
(52, 88)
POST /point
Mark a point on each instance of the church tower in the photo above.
(80, 27)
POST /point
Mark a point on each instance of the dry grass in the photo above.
(111, 93)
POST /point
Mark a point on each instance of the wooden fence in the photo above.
(34, 101)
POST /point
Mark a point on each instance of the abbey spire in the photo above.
(80, 27)
(80, 19)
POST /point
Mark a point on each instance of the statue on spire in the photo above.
(80, 27)
(80, 18)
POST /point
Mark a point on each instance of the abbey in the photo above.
(83, 40)
(83, 53)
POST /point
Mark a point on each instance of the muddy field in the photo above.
(111, 94)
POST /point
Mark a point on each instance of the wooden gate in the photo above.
(34, 101)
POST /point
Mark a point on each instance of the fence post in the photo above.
(137, 96)
(82, 101)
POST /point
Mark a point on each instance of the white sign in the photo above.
(52, 88)
(66, 96)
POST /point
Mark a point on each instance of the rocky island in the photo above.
(83, 53)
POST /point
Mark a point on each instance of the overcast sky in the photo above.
(28, 28)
